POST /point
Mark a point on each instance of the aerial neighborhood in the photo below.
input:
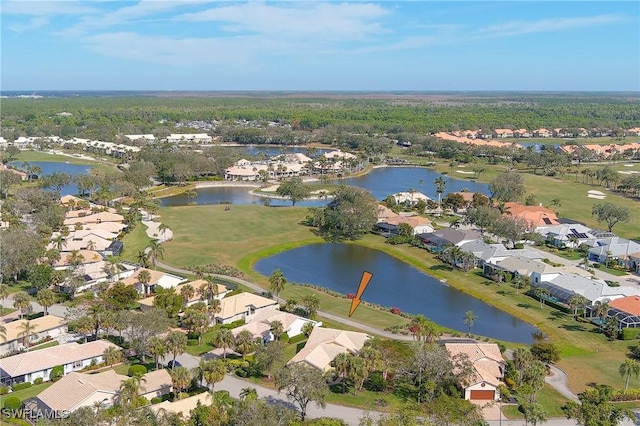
(208, 269)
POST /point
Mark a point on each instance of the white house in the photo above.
(180, 138)
(156, 278)
(260, 324)
(324, 344)
(28, 366)
(47, 326)
(242, 306)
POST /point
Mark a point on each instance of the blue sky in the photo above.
(308, 45)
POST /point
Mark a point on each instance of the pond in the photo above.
(382, 182)
(48, 167)
(272, 151)
(394, 284)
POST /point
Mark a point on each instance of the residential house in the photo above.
(183, 406)
(419, 224)
(324, 344)
(626, 310)
(29, 366)
(488, 369)
(502, 133)
(619, 249)
(23, 175)
(181, 138)
(521, 133)
(571, 235)
(538, 217)
(78, 390)
(565, 286)
(542, 133)
(436, 240)
(410, 198)
(489, 254)
(519, 266)
(260, 324)
(243, 306)
(157, 278)
(46, 326)
(146, 138)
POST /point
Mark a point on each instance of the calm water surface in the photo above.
(394, 283)
(48, 167)
(382, 182)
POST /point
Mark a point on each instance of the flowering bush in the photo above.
(351, 296)
(396, 311)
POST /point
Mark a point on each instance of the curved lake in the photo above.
(382, 182)
(339, 267)
(48, 167)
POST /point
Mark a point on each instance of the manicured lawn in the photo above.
(547, 397)
(612, 271)
(134, 242)
(167, 191)
(374, 401)
(44, 346)
(6, 311)
(29, 392)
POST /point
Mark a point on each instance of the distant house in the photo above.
(260, 324)
(488, 254)
(410, 198)
(324, 344)
(157, 278)
(181, 138)
(538, 271)
(565, 286)
(28, 366)
(47, 326)
(542, 133)
(149, 138)
(568, 235)
(443, 237)
(626, 310)
(488, 369)
(622, 251)
(78, 390)
(538, 217)
(242, 306)
(502, 133)
(521, 133)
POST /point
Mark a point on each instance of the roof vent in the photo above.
(81, 382)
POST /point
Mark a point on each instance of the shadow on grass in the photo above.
(573, 327)
(524, 305)
(441, 268)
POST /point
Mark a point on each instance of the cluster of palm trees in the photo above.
(456, 257)
(152, 252)
(356, 367)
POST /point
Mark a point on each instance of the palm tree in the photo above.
(469, 319)
(276, 329)
(541, 293)
(576, 302)
(59, 241)
(162, 229)
(214, 308)
(21, 301)
(176, 342)
(129, 391)
(601, 311)
(112, 355)
(248, 394)
(278, 282)
(244, 343)
(143, 258)
(627, 368)
(208, 290)
(356, 371)
(522, 359)
(307, 329)
(4, 292)
(155, 251)
(441, 184)
(181, 379)
(214, 372)
(520, 282)
(187, 292)
(157, 348)
(341, 365)
(46, 298)
(224, 339)
(28, 331)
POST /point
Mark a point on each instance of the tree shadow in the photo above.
(573, 327)
(441, 268)
(280, 402)
(524, 305)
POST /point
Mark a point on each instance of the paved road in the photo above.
(57, 310)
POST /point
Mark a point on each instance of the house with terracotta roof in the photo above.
(626, 310)
(28, 366)
(502, 133)
(521, 133)
(542, 133)
(243, 306)
(488, 369)
(46, 326)
(538, 217)
(324, 344)
(78, 390)
(183, 406)
(260, 324)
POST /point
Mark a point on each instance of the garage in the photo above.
(482, 395)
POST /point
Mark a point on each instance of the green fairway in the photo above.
(134, 242)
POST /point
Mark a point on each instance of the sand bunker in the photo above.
(592, 192)
(630, 172)
(598, 197)
(464, 172)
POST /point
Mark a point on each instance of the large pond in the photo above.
(48, 167)
(394, 284)
(382, 182)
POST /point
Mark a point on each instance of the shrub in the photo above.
(156, 400)
(396, 311)
(38, 381)
(242, 373)
(192, 342)
(284, 338)
(597, 265)
(20, 386)
(630, 333)
(56, 373)
(12, 403)
(375, 382)
(4, 390)
(137, 370)
(508, 277)
(518, 246)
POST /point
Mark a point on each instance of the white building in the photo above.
(182, 138)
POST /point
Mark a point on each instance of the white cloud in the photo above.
(302, 19)
(46, 8)
(546, 25)
(32, 24)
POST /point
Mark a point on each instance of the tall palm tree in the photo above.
(224, 339)
(276, 328)
(181, 379)
(214, 372)
(541, 293)
(144, 277)
(627, 368)
(278, 282)
(577, 302)
(143, 258)
(469, 319)
(46, 298)
(187, 292)
(4, 292)
(59, 241)
(176, 342)
(214, 308)
(156, 251)
(27, 331)
(244, 343)
(112, 355)
(157, 349)
(21, 301)
(602, 311)
(129, 391)
(341, 365)
(441, 184)
(208, 290)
